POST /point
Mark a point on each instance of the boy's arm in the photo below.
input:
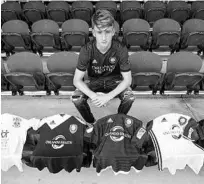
(81, 85)
(126, 82)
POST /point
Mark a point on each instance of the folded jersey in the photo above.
(119, 141)
(172, 137)
(61, 144)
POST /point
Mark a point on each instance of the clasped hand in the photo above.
(100, 99)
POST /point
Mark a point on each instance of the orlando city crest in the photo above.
(182, 120)
(17, 122)
(73, 128)
(112, 60)
(128, 122)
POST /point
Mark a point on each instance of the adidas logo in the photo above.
(52, 122)
(94, 61)
(110, 120)
(164, 120)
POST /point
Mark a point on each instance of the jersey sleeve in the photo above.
(36, 123)
(83, 60)
(124, 59)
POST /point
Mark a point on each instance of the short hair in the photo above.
(102, 18)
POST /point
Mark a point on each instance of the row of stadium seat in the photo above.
(75, 32)
(26, 71)
(60, 11)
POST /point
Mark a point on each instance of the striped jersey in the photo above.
(171, 135)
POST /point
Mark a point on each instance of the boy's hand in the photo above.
(101, 99)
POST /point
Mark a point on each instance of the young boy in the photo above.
(108, 67)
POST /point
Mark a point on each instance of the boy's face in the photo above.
(103, 35)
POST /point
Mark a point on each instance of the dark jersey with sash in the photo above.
(107, 65)
(61, 144)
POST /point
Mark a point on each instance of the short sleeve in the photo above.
(124, 59)
(83, 60)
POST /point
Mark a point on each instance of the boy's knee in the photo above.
(76, 99)
(128, 95)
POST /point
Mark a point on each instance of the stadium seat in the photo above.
(166, 32)
(16, 35)
(178, 10)
(146, 70)
(193, 34)
(117, 30)
(154, 10)
(59, 11)
(183, 72)
(130, 10)
(25, 72)
(136, 32)
(4, 82)
(197, 9)
(61, 66)
(75, 32)
(82, 10)
(107, 5)
(45, 35)
(34, 11)
(10, 11)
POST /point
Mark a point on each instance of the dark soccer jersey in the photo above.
(114, 61)
(61, 145)
(119, 140)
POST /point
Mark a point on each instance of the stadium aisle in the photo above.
(144, 108)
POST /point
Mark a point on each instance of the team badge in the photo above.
(73, 128)
(128, 122)
(140, 133)
(16, 122)
(112, 60)
(182, 121)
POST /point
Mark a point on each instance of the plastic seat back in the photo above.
(146, 71)
(197, 9)
(25, 72)
(130, 10)
(107, 5)
(34, 11)
(15, 34)
(136, 33)
(82, 10)
(61, 66)
(10, 11)
(166, 32)
(178, 10)
(193, 34)
(59, 11)
(184, 72)
(154, 10)
(45, 33)
(75, 32)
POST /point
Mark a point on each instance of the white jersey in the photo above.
(13, 136)
(171, 135)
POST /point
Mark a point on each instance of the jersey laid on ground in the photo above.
(171, 135)
(13, 136)
(61, 144)
(118, 139)
(114, 61)
(200, 132)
